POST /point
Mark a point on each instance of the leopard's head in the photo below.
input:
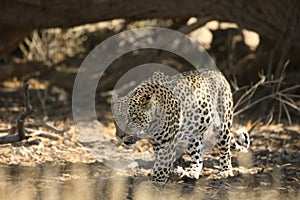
(143, 111)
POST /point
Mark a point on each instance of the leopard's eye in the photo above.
(148, 97)
(146, 100)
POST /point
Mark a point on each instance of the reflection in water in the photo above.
(95, 181)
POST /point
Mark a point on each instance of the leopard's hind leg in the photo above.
(225, 112)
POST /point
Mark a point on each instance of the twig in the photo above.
(287, 113)
(5, 130)
(27, 111)
(287, 102)
(40, 122)
(290, 88)
(40, 133)
(246, 95)
(279, 95)
(252, 104)
(51, 137)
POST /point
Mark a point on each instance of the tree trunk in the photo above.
(271, 18)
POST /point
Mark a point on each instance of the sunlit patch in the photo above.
(251, 39)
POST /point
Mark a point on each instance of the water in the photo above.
(96, 181)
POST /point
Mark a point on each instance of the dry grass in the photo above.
(270, 92)
(51, 46)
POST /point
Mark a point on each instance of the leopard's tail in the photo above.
(241, 141)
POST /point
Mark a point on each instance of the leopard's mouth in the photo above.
(129, 141)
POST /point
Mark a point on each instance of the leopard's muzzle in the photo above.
(128, 140)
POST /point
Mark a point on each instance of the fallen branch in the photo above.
(20, 126)
(9, 139)
(20, 121)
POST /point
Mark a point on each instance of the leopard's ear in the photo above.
(160, 77)
(114, 98)
(119, 107)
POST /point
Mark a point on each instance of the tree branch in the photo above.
(247, 14)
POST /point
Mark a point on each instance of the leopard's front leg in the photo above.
(164, 160)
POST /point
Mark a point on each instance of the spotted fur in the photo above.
(168, 109)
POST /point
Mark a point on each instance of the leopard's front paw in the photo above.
(225, 173)
(193, 173)
(180, 172)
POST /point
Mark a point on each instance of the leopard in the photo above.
(169, 109)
